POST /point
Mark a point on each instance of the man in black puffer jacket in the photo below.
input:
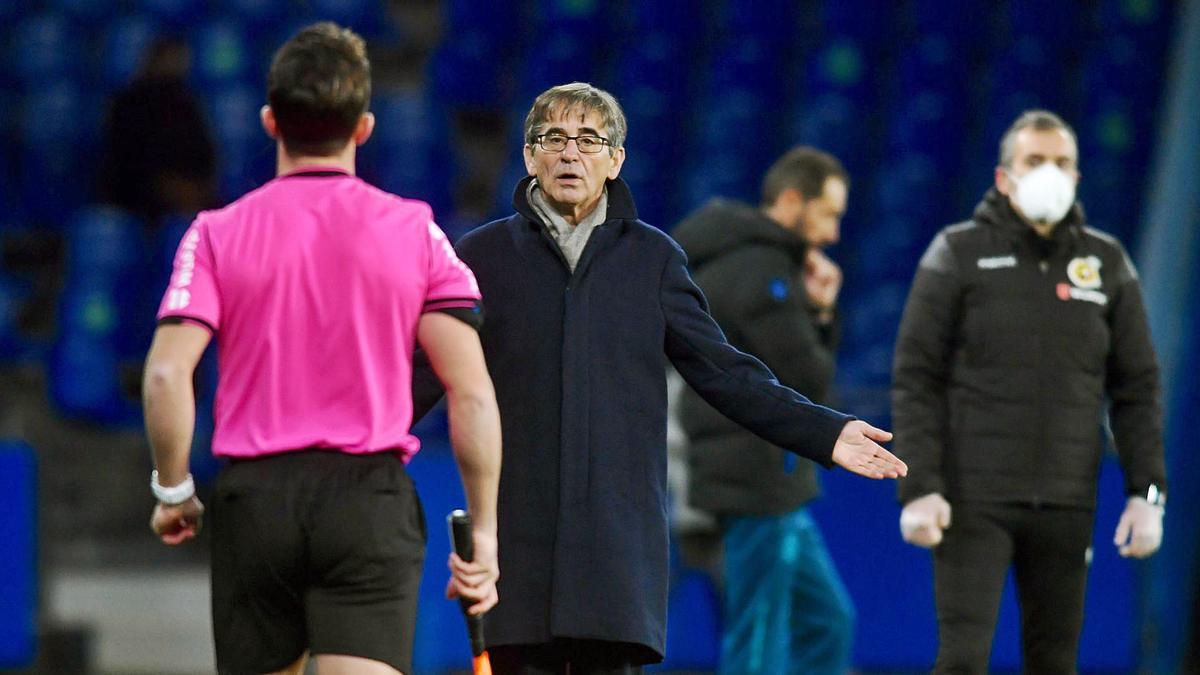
(773, 292)
(1021, 322)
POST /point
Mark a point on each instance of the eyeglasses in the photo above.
(558, 142)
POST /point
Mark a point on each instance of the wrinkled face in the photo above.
(573, 180)
(1031, 149)
(820, 218)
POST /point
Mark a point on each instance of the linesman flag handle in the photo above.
(461, 539)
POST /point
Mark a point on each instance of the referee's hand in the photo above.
(176, 524)
(476, 580)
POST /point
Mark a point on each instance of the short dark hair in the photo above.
(318, 88)
(1040, 120)
(802, 168)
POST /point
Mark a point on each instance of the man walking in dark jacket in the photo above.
(1020, 323)
(773, 292)
(586, 305)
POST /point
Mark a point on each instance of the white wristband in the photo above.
(174, 495)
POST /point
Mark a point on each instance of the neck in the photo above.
(286, 163)
(573, 213)
(1044, 230)
(774, 212)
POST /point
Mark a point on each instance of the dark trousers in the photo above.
(563, 656)
(1047, 549)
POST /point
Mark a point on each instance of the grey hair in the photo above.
(1040, 120)
(584, 96)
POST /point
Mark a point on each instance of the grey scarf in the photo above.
(570, 238)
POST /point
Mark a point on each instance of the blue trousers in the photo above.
(786, 608)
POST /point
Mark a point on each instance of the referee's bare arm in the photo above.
(169, 406)
(457, 359)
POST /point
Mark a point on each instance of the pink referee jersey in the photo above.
(313, 285)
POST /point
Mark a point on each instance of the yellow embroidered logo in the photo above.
(1084, 272)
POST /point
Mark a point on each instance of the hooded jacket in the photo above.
(1008, 349)
(750, 269)
(578, 359)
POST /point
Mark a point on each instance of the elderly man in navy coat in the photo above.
(585, 307)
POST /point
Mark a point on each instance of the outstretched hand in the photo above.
(857, 449)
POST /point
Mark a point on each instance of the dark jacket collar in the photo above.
(994, 210)
(721, 226)
(620, 201)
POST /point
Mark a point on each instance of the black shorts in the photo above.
(316, 550)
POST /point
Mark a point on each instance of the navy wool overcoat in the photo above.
(578, 361)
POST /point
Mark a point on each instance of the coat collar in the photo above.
(620, 201)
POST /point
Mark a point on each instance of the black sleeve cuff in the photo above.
(472, 316)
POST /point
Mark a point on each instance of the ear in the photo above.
(269, 125)
(617, 163)
(364, 128)
(790, 200)
(530, 166)
(1004, 182)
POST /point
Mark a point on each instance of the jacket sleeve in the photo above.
(737, 384)
(771, 310)
(1133, 387)
(920, 372)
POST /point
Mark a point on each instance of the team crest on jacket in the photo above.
(1084, 272)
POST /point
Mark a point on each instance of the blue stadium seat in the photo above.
(776, 21)
(867, 23)
(835, 123)
(656, 128)
(932, 123)
(907, 186)
(103, 242)
(756, 65)
(364, 16)
(468, 70)
(934, 61)
(56, 140)
(1049, 21)
(178, 13)
(13, 294)
(406, 155)
(221, 53)
(19, 587)
(495, 20)
(841, 66)
(1146, 22)
(43, 48)
(1118, 68)
(693, 625)
(733, 119)
(1032, 65)
(84, 370)
(124, 43)
(588, 21)
(258, 13)
(731, 173)
(246, 155)
(560, 57)
(682, 19)
(652, 61)
(83, 10)
(967, 24)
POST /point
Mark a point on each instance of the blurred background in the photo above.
(120, 119)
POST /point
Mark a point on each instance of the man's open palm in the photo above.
(857, 449)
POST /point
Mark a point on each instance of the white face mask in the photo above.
(1044, 194)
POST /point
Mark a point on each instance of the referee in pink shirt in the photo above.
(317, 286)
